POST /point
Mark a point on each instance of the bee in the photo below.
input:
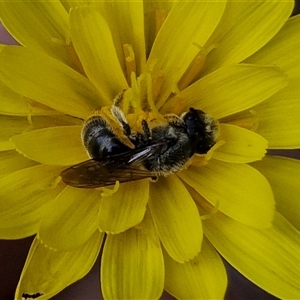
(158, 150)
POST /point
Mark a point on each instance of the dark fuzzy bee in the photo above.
(158, 151)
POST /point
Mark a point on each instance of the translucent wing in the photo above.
(92, 174)
(123, 167)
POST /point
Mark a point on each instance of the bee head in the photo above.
(201, 129)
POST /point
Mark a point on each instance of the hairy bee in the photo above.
(158, 150)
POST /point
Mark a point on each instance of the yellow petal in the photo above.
(155, 14)
(12, 161)
(94, 45)
(283, 174)
(181, 37)
(126, 22)
(48, 81)
(72, 219)
(14, 104)
(68, 4)
(273, 122)
(241, 145)
(231, 89)
(203, 277)
(278, 51)
(176, 218)
(270, 257)
(125, 208)
(237, 190)
(60, 146)
(278, 119)
(12, 125)
(41, 26)
(132, 264)
(47, 271)
(25, 196)
(245, 28)
(9, 127)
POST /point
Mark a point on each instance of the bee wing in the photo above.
(93, 174)
(104, 171)
(134, 156)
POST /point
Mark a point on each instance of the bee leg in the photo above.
(120, 117)
(147, 134)
(141, 139)
(117, 100)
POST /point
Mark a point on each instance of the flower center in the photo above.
(133, 140)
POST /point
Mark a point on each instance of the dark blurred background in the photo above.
(13, 255)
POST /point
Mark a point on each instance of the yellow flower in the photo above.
(236, 61)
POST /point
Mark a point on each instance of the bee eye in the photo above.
(194, 130)
(194, 123)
